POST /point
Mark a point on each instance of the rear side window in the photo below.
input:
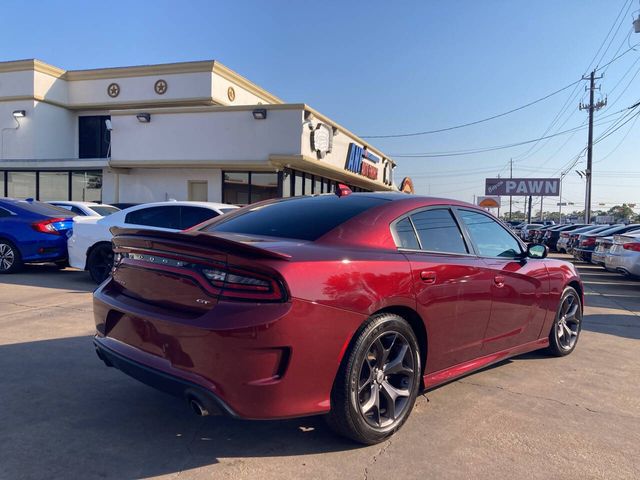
(438, 231)
(304, 218)
(191, 216)
(406, 235)
(167, 216)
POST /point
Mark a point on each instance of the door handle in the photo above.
(428, 276)
(498, 280)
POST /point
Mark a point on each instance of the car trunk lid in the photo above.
(189, 272)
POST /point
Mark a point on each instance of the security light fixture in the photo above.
(19, 113)
(144, 117)
(260, 113)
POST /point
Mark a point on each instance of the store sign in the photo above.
(355, 164)
(489, 202)
(523, 187)
(322, 140)
(407, 185)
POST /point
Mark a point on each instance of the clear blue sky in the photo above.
(385, 67)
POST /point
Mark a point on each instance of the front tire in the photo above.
(378, 381)
(10, 259)
(100, 262)
(567, 325)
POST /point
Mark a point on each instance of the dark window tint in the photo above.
(406, 235)
(194, 215)
(438, 231)
(167, 216)
(305, 218)
(93, 136)
(45, 209)
(104, 211)
(491, 238)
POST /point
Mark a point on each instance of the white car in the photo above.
(624, 255)
(86, 209)
(90, 243)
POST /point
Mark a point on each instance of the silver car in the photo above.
(624, 255)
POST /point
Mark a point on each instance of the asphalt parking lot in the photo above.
(63, 414)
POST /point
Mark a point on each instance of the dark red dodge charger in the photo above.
(341, 305)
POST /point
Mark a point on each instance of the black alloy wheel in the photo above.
(567, 325)
(10, 260)
(378, 381)
(100, 263)
(386, 380)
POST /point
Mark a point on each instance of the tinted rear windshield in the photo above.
(303, 218)
(45, 209)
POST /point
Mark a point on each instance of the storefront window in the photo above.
(86, 186)
(298, 184)
(22, 184)
(53, 186)
(263, 186)
(2, 185)
(317, 185)
(235, 188)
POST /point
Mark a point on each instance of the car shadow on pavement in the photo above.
(47, 275)
(66, 415)
(619, 324)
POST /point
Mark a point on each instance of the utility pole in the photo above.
(591, 107)
(529, 211)
(510, 196)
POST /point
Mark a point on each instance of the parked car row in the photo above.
(79, 232)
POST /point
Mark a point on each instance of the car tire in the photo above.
(567, 324)
(10, 258)
(373, 396)
(100, 262)
(61, 264)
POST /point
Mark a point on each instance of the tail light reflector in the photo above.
(588, 242)
(46, 226)
(633, 246)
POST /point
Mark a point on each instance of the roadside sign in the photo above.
(523, 187)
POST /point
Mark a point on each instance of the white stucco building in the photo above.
(189, 131)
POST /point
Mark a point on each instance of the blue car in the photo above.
(31, 232)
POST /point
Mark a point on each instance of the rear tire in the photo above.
(100, 262)
(10, 258)
(378, 381)
(567, 325)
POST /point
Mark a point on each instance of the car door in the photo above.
(519, 285)
(452, 285)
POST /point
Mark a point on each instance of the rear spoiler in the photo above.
(225, 242)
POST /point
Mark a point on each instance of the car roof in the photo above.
(186, 203)
(79, 204)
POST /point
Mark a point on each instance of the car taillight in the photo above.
(240, 284)
(47, 226)
(633, 246)
(587, 242)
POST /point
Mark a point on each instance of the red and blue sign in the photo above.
(356, 165)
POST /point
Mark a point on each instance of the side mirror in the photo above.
(537, 250)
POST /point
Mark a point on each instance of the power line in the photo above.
(455, 153)
(476, 122)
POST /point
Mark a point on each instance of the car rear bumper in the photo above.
(163, 381)
(47, 248)
(582, 254)
(624, 262)
(598, 258)
(263, 361)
